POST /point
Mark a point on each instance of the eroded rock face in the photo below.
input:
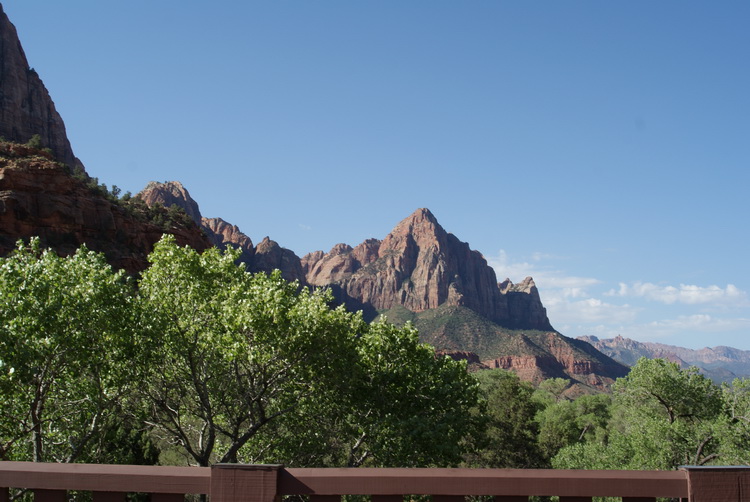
(270, 256)
(562, 357)
(421, 266)
(171, 193)
(525, 307)
(26, 108)
(264, 257)
(223, 234)
(39, 197)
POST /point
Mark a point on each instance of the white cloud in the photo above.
(702, 322)
(545, 278)
(684, 293)
(579, 305)
(590, 310)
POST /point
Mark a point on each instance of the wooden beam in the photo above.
(105, 478)
(498, 482)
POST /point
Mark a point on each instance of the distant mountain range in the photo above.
(721, 364)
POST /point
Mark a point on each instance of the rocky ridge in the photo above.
(40, 197)
(26, 108)
(722, 364)
(264, 257)
(420, 266)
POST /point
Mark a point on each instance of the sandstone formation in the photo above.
(168, 194)
(420, 266)
(26, 108)
(524, 304)
(267, 256)
(561, 357)
(39, 197)
(270, 256)
(223, 234)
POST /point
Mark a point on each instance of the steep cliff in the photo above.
(40, 197)
(26, 108)
(420, 266)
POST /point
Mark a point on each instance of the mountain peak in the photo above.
(420, 266)
(171, 193)
(423, 214)
(27, 108)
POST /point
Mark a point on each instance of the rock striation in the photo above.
(264, 257)
(39, 197)
(420, 266)
(26, 108)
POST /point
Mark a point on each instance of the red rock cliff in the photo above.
(421, 266)
(39, 197)
(26, 108)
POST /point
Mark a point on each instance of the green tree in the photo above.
(400, 405)
(734, 431)
(69, 343)
(552, 390)
(566, 422)
(35, 142)
(409, 407)
(508, 437)
(238, 352)
(662, 417)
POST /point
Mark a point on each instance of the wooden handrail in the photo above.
(105, 478)
(266, 483)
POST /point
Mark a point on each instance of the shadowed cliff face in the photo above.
(26, 108)
(420, 266)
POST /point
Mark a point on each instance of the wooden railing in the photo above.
(267, 483)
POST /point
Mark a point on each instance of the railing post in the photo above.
(244, 483)
(718, 484)
(50, 495)
(4, 494)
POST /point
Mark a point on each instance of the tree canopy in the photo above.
(70, 349)
(212, 364)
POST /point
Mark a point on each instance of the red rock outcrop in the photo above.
(26, 108)
(264, 257)
(168, 194)
(223, 234)
(39, 197)
(270, 256)
(420, 266)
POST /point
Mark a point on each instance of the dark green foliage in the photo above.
(35, 142)
(508, 436)
(663, 417)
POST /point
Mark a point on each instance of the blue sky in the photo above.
(600, 147)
